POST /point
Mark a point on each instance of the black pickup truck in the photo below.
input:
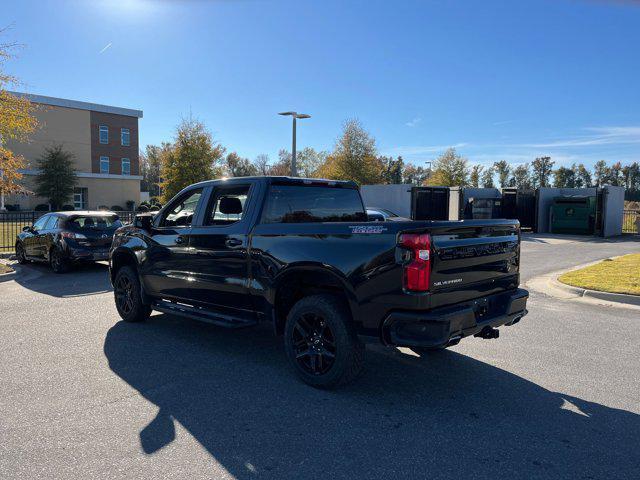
(301, 253)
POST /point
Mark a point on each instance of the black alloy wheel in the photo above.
(321, 343)
(57, 261)
(20, 255)
(123, 290)
(314, 344)
(128, 296)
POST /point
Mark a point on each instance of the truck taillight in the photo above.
(417, 271)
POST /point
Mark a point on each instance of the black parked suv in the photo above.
(300, 254)
(64, 238)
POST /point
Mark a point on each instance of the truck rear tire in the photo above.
(128, 296)
(321, 343)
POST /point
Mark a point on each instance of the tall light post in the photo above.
(295, 115)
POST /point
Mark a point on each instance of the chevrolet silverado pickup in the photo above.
(301, 254)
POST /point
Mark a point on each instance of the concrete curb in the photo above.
(5, 277)
(608, 296)
(550, 285)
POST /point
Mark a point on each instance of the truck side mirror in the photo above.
(144, 221)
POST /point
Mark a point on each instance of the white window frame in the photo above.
(126, 161)
(104, 159)
(105, 129)
(122, 134)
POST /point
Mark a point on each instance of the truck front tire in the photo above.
(128, 296)
(321, 343)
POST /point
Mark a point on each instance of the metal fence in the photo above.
(629, 218)
(12, 223)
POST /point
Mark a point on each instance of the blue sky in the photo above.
(499, 80)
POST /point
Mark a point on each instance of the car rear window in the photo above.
(301, 204)
(97, 222)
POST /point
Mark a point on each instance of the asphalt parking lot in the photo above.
(84, 395)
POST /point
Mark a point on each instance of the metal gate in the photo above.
(521, 205)
(629, 221)
(430, 203)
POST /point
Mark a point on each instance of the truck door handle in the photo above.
(233, 242)
(179, 240)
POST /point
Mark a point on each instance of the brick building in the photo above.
(104, 142)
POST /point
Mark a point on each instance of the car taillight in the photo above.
(75, 236)
(417, 271)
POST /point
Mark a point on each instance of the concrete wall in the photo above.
(613, 211)
(396, 198)
(58, 125)
(545, 199)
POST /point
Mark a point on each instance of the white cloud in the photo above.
(413, 122)
(503, 122)
(105, 48)
(590, 144)
(600, 136)
(407, 151)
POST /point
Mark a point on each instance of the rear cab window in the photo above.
(227, 205)
(305, 203)
(93, 222)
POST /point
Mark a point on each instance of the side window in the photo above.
(180, 213)
(125, 137)
(104, 134)
(51, 223)
(227, 205)
(39, 225)
(104, 164)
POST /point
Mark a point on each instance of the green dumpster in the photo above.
(573, 214)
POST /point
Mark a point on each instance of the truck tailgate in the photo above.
(473, 259)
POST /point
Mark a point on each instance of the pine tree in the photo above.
(474, 177)
(541, 167)
(57, 177)
(487, 178)
(503, 171)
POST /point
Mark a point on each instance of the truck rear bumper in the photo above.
(443, 326)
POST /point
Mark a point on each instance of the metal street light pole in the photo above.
(295, 115)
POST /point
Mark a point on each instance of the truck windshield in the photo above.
(300, 204)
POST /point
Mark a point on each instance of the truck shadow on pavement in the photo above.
(446, 416)
(83, 279)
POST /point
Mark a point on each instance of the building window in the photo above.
(104, 164)
(126, 166)
(104, 134)
(125, 137)
(79, 198)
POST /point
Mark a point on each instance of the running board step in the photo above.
(196, 313)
